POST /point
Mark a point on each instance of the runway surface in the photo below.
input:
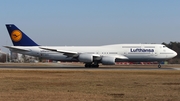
(58, 66)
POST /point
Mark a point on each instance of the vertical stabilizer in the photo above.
(18, 37)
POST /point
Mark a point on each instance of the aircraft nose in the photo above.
(175, 54)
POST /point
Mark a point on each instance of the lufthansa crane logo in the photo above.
(16, 35)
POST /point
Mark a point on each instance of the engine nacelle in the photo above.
(85, 58)
(107, 60)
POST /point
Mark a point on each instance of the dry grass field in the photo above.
(63, 85)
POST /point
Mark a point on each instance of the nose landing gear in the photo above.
(159, 65)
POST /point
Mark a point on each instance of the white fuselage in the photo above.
(134, 52)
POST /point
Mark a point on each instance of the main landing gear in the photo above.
(88, 65)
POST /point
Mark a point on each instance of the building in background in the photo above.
(3, 56)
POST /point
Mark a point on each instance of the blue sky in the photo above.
(92, 22)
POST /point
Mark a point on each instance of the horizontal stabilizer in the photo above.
(16, 48)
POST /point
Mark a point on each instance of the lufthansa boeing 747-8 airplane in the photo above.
(91, 56)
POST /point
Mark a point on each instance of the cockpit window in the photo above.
(164, 46)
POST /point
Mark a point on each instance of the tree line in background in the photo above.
(176, 47)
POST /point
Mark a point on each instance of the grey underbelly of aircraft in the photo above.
(61, 57)
(140, 60)
(69, 59)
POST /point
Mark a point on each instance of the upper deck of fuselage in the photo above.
(134, 45)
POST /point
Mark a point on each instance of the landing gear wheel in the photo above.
(91, 65)
(87, 65)
(95, 66)
(159, 66)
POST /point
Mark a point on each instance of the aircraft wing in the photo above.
(67, 53)
(76, 54)
(16, 48)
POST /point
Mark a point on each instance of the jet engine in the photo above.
(107, 60)
(85, 58)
